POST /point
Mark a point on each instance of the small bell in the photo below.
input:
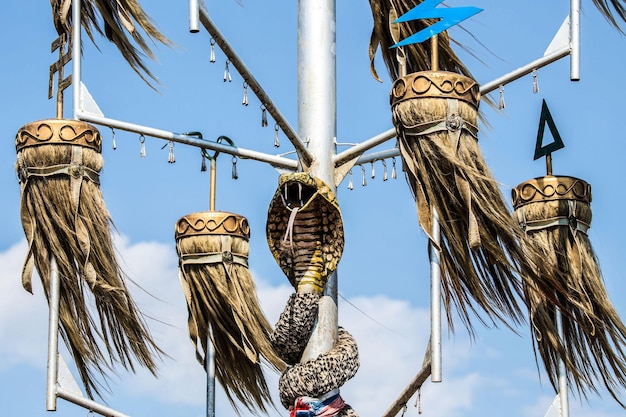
(502, 103)
(245, 94)
(212, 58)
(535, 82)
(170, 156)
(142, 146)
(203, 166)
(234, 173)
(113, 139)
(350, 182)
(263, 116)
(385, 175)
(227, 76)
(276, 141)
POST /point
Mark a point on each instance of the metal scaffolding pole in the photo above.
(563, 386)
(53, 337)
(574, 39)
(317, 123)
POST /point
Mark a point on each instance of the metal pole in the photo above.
(317, 123)
(378, 156)
(359, 148)
(53, 337)
(435, 300)
(276, 161)
(209, 366)
(563, 395)
(435, 262)
(88, 404)
(76, 57)
(574, 36)
(525, 70)
(213, 184)
(194, 16)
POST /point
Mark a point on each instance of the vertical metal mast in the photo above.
(317, 125)
(574, 36)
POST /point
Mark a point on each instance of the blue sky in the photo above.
(384, 269)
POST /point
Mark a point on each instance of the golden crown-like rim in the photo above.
(550, 188)
(212, 223)
(435, 84)
(58, 131)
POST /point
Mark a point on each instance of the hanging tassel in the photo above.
(142, 146)
(276, 142)
(394, 174)
(170, 157)
(364, 181)
(373, 171)
(212, 58)
(203, 166)
(385, 176)
(350, 182)
(227, 76)
(245, 94)
(502, 103)
(234, 173)
(535, 82)
(418, 401)
(113, 139)
(263, 116)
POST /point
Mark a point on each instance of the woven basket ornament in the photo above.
(213, 249)
(555, 212)
(436, 117)
(64, 218)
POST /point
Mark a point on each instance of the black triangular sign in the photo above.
(546, 118)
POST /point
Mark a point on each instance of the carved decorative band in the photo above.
(212, 223)
(58, 131)
(435, 84)
(550, 188)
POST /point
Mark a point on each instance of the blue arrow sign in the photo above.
(427, 10)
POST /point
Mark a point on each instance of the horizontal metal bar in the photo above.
(525, 70)
(88, 404)
(254, 85)
(243, 153)
(377, 156)
(358, 149)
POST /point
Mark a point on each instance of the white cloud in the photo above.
(23, 316)
(392, 336)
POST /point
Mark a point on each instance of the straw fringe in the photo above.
(594, 340)
(78, 235)
(119, 21)
(222, 305)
